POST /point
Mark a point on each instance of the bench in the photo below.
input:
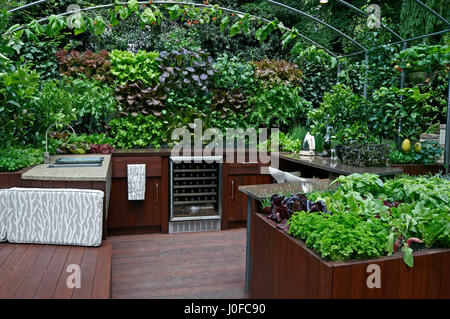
(51, 216)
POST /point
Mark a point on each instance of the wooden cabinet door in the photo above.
(234, 202)
(127, 213)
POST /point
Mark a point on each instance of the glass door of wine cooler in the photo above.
(195, 188)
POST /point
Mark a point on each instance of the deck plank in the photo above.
(40, 271)
(102, 280)
(5, 251)
(15, 277)
(62, 291)
(11, 262)
(35, 274)
(87, 267)
(185, 265)
(51, 275)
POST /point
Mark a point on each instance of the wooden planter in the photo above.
(283, 267)
(12, 179)
(418, 169)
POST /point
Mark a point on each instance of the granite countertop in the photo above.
(44, 173)
(262, 191)
(335, 166)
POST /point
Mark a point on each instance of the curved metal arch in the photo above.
(182, 3)
(320, 22)
(32, 4)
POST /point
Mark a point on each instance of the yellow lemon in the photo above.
(406, 145)
(417, 147)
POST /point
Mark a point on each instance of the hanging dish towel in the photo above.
(136, 181)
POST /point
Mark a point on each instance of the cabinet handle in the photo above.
(157, 193)
(232, 189)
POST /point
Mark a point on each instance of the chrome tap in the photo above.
(47, 154)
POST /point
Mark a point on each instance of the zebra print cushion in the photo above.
(55, 216)
(3, 213)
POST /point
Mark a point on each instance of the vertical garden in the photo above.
(124, 74)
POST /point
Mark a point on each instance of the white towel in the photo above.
(136, 181)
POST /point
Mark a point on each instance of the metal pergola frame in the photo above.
(363, 50)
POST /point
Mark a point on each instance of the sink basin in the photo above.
(75, 165)
(77, 162)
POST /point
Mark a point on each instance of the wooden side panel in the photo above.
(274, 255)
(164, 195)
(425, 280)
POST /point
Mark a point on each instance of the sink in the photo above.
(75, 165)
(77, 162)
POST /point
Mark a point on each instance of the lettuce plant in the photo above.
(129, 68)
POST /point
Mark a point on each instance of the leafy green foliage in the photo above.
(137, 132)
(93, 65)
(94, 104)
(415, 113)
(13, 159)
(365, 154)
(371, 218)
(400, 157)
(129, 67)
(429, 153)
(18, 86)
(41, 53)
(274, 73)
(226, 101)
(186, 70)
(233, 73)
(316, 65)
(342, 236)
(340, 108)
(430, 58)
(137, 98)
(278, 106)
(360, 183)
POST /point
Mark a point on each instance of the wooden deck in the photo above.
(39, 271)
(178, 266)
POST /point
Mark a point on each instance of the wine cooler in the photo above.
(195, 193)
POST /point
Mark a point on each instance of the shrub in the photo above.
(278, 106)
(316, 65)
(18, 86)
(415, 113)
(13, 159)
(340, 108)
(53, 103)
(94, 104)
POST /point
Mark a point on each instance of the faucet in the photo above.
(47, 154)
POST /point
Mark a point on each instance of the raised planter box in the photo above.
(418, 169)
(283, 267)
(12, 179)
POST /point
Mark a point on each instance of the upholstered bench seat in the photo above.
(52, 216)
